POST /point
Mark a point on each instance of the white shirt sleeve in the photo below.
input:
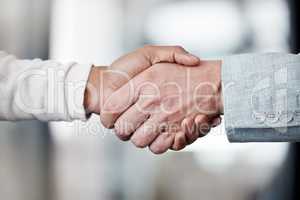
(42, 90)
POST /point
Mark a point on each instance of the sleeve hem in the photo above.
(76, 82)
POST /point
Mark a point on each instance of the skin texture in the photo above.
(103, 81)
(166, 106)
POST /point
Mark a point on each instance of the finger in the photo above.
(203, 124)
(150, 130)
(162, 143)
(132, 64)
(149, 55)
(145, 134)
(179, 142)
(216, 121)
(190, 129)
(130, 120)
(172, 54)
(117, 103)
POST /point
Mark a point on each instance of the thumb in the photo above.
(171, 54)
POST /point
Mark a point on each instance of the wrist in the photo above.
(217, 65)
(92, 91)
(220, 91)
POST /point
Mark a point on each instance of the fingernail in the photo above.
(193, 57)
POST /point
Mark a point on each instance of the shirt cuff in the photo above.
(75, 85)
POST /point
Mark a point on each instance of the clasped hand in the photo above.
(158, 96)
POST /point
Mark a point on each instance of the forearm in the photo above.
(43, 90)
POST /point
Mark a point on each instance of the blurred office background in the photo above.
(61, 161)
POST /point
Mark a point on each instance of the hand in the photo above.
(150, 108)
(104, 81)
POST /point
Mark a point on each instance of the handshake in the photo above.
(159, 97)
